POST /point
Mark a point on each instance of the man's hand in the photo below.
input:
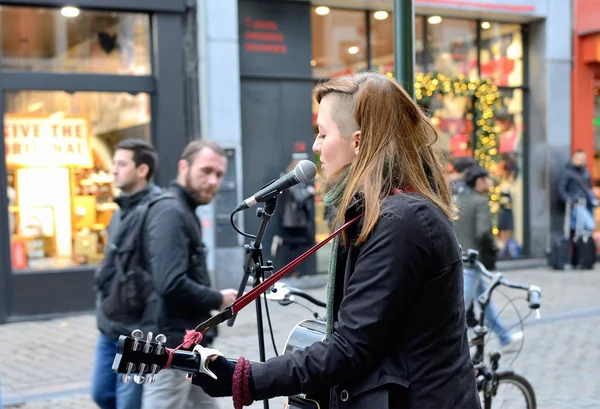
(228, 297)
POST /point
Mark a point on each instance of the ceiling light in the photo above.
(322, 10)
(380, 15)
(353, 50)
(69, 11)
(434, 20)
(485, 25)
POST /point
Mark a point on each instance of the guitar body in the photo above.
(304, 334)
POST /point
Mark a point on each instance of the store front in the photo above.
(74, 81)
(491, 74)
(469, 79)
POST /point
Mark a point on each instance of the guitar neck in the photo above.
(189, 362)
(185, 361)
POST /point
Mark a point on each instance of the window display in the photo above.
(468, 79)
(508, 172)
(502, 53)
(382, 42)
(339, 41)
(452, 48)
(51, 40)
(59, 149)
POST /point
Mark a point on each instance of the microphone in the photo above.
(304, 171)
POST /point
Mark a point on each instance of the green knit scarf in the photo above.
(333, 199)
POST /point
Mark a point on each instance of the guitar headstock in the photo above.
(144, 356)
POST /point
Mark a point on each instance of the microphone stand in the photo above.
(253, 266)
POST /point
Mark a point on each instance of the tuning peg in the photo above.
(161, 339)
(126, 377)
(150, 378)
(148, 345)
(137, 335)
(139, 378)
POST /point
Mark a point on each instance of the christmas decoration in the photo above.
(486, 102)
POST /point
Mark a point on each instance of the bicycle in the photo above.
(490, 376)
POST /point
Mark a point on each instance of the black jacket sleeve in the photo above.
(563, 194)
(168, 253)
(388, 273)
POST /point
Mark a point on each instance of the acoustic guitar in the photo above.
(141, 359)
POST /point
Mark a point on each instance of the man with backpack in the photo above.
(176, 257)
(134, 164)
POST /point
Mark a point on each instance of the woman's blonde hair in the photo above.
(394, 134)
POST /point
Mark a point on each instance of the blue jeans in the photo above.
(108, 391)
(584, 214)
(473, 287)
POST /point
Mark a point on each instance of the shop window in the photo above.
(452, 118)
(382, 42)
(72, 40)
(452, 46)
(339, 41)
(507, 171)
(59, 150)
(502, 53)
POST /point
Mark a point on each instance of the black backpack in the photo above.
(132, 283)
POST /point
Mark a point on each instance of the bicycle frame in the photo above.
(488, 376)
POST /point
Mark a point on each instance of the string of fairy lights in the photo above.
(486, 100)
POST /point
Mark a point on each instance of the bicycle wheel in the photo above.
(512, 392)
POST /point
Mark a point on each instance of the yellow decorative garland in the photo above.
(487, 99)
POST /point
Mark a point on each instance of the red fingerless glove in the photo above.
(241, 390)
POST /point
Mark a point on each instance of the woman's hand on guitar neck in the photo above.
(233, 379)
(222, 386)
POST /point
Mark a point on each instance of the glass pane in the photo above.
(452, 118)
(507, 170)
(59, 150)
(52, 40)
(339, 41)
(502, 53)
(382, 42)
(452, 46)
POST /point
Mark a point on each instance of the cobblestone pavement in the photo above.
(47, 364)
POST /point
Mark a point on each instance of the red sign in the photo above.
(263, 36)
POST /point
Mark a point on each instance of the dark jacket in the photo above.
(575, 183)
(120, 220)
(175, 255)
(399, 339)
(474, 227)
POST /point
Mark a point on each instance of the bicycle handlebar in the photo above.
(283, 293)
(534, 293)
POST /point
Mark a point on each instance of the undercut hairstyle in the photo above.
(343, 115)
(143, 154)
(195, 146)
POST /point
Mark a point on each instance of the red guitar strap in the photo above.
(193, 337)
(253, 294)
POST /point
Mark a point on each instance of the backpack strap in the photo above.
(132, 244)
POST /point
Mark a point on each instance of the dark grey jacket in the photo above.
(575, 183)
(400, 336)
(474, 227)
(176, 256)
(127, 204)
